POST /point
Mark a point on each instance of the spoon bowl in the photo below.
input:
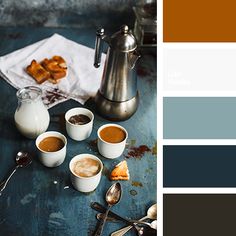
(23, 159)
(113, 196)
(152, 212)
(154, 224)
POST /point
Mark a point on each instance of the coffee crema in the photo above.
(51, 144)
(79, 119)
(112, 134)
(86, 167)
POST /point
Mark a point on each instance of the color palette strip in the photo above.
(199, 166)
(199, 21)
(199, 214)
(200, 69)
(199, 117)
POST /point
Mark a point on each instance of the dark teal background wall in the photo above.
(73, 13)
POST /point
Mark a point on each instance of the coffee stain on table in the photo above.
(133, 192)
(154, 149)
(137, 184)
(137, 152)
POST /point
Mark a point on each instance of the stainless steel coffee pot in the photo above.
(118, 98)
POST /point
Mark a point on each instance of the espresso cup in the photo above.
(51, 158)
(84, 183)
(111, 148)
(79, 132)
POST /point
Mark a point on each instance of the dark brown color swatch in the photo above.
(199, 21)
(199, 214)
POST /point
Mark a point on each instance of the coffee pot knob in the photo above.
(124, 29)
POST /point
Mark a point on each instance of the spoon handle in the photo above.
(98, 207)
(5, 182)
(124, 230)
(102, 222)
(99, 216)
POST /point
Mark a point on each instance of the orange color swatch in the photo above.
(199, 21)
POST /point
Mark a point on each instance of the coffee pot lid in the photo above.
(123, 40)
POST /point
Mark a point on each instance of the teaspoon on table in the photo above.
(113, 196)
(100, 216)
(146, 231)
(100, 208)
(151, 214)
(23, 159)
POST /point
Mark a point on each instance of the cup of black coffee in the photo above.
(79, 123)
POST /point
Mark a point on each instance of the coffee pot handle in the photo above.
(98, 47)
(132, 58)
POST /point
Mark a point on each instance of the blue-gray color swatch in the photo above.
(199, 118)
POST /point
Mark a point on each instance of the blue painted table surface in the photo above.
(36, 202)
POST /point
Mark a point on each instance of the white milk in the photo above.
(31, 116)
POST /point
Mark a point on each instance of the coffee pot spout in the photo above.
(133, 58)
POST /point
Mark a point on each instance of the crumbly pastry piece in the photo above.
(60, 60)
(37, 72)
(53, 67)
(120, 172)
(53, 70)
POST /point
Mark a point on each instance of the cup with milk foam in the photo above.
(85, 172)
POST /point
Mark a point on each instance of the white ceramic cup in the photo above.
(51, 159)
(85, 184)
(79, 132)
(111, 150)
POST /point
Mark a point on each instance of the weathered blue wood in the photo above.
(35, 202)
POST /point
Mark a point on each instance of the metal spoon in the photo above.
(146, 231)
(154, 224)
(151, 214)
(113, 196)
(100, 216)
(22, 159)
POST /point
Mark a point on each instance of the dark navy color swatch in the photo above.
(199, 166)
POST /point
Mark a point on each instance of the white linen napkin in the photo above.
(82, 80)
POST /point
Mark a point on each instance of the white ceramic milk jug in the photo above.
(31, 116)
